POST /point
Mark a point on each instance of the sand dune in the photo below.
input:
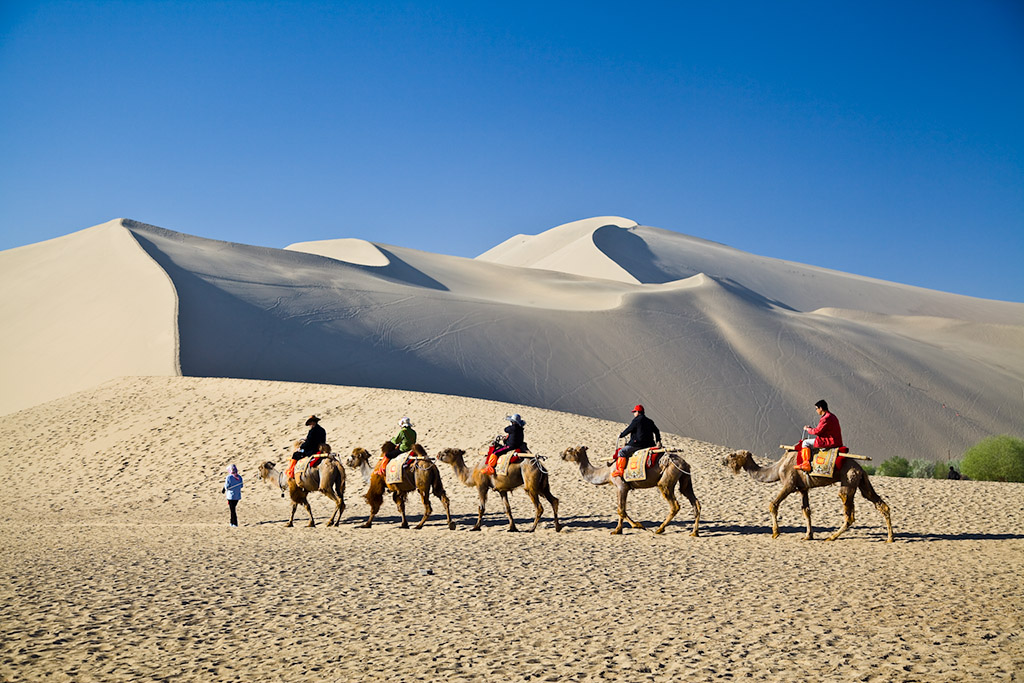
(120, 564)
(587, 318)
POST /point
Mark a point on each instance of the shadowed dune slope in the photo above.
(732, 351)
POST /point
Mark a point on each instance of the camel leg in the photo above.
(623, 515)
(537, 508)
(480, 508)
(686, 488)
(400, 502)
(846, 494)
(805, 504)
(291, 520)
(374, 508)
(425, 497)
(309, 510)
(554, 509)
(508, 511)
(673, 505)
(447, 510)
(868, 491)
(773, 509)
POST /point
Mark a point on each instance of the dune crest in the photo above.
(721, 345)
(347, 249)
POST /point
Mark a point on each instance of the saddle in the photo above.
(825, 460)
(393, 472)
(636, 468)
(506, 459)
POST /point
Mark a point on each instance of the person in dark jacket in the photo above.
(316, 438)
(642, 433)
(515, 441)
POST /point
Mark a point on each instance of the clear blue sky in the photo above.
(879, 138)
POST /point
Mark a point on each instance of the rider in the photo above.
(642, 432)
(316, 438)
(514, 441)
(404, 440)
(826, 435)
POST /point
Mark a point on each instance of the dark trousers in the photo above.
(234, 517)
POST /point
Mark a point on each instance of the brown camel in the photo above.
(328, 477)
(850, 476)
(668, 470)
(527, 473)
(422, 475)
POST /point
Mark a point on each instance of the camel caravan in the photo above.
(403, 466)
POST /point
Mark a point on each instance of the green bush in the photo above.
(921, 469)
(997, 458)
(894, 467)
(869, 469)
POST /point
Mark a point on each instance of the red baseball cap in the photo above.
(638, 409)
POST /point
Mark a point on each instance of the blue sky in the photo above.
(879, 138)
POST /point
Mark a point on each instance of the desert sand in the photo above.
(587, 318)
(119, 563)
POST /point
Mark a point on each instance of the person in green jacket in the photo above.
(405, 440)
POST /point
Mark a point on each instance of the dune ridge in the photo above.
(720, 345)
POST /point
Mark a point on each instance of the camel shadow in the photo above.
(912, 537)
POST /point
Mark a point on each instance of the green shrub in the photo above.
(997, 458)
(921, 469)
(894, 467)
(869, 469)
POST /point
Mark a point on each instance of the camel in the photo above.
(850, 476)
(328, 477)
(422, 476)
(668, 470)
(526, 473)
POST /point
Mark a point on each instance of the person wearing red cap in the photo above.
(642, 433)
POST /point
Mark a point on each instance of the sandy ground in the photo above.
(119, 563)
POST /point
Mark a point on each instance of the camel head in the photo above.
(265, 469)
(574, 453)
(359, 456)
(737, 461)
(450, 455)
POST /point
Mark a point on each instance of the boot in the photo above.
(492, 460)
(620, 466)
(803, 460)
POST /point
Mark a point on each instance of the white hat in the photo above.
(404, 422)
(517, 419)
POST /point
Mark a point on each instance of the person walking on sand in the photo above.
(826, 435)
(642, 433)
(316, 438)
(233, 491)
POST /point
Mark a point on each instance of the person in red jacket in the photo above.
(826, 435)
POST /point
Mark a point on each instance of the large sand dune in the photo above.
(119, 563)
(587, 318)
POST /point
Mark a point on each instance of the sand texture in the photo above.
(587, 318)
(119, 563)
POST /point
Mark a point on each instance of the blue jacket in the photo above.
(233, 487)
